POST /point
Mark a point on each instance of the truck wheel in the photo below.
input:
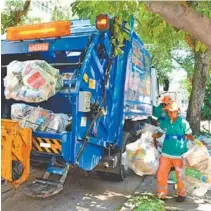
(17, 169)
(123, 173)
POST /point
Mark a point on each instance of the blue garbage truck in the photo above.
(107, 96)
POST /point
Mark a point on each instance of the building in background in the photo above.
(44, 8)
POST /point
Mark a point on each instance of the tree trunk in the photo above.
(181, 16)
(200, 76)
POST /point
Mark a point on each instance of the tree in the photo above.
(148, 26)
(182, 16)
(164, 38)
(60, 13)
(15, 13)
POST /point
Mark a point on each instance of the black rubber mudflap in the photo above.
(43, 188)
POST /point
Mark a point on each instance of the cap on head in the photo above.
(166, 99)
(172, 107)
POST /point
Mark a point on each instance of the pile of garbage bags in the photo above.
(31, 81)
(39, 119)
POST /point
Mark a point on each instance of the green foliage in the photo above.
(160, 38)
(207, 134)
(119, 34)
(147, 202)
(117, 9)
(8, 15)
(202, 7)
(206, 110)
(60, 13)
(151, 28)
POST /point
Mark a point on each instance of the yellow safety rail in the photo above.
(16, 145)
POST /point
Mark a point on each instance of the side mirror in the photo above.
(166, 85)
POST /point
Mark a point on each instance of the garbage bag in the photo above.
(196, 182)
(196, 171)
(20, 110)
(197, 157)
(31, 81)
(39, 119)
(56, 122)
(149, 128)
(143, 157)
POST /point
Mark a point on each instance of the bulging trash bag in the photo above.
(143, 157)
(39, 119)
(31, 81)
(196, 171)
(197, 157)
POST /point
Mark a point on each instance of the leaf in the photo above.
(92, 20)
(127, 26)
(197, 47)
(126, 36)
(121, 45)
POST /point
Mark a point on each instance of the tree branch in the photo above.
(22, 12)
(181, 16)
(177, 61)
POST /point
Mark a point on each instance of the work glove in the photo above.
(198, 143)
(156, 135)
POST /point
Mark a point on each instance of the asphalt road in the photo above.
(82, 191)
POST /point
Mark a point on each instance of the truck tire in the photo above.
(17, 170)
(123, 173)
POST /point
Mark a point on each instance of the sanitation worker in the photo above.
(178, 132)
(159, 112)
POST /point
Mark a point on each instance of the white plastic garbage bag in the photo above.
(149, 128)
(196, 171)
(20, 111)
(39, 119)
(31, 81)
(197, 157)
(143, 157)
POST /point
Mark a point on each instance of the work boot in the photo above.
(161, 196)
(180, 198)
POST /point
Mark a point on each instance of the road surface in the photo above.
(82, 192)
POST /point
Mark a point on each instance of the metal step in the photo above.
(44, 187)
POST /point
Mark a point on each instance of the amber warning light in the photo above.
(37, 31)
(102, 22)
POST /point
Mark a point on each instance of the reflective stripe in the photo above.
(181, 192)
(46, 145)
(37, 145)
(169, 136)
(41, 141)
(189, 131)
(161, 195)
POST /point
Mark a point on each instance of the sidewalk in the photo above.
(191, 204)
